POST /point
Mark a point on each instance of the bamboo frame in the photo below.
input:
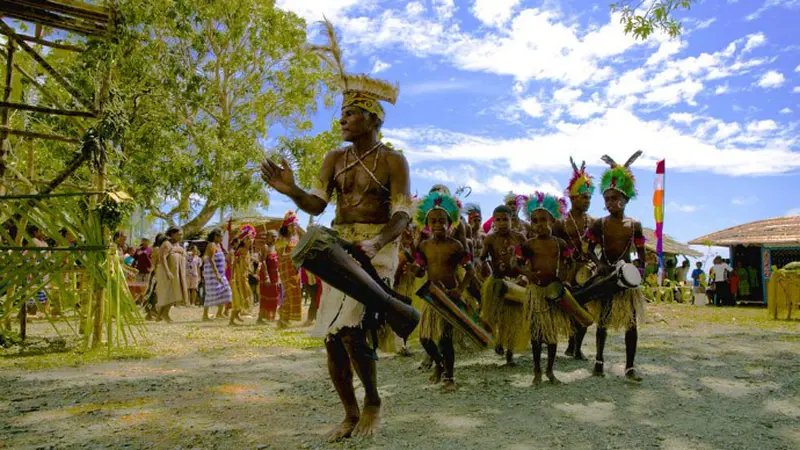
(46, 43)
(32, 134)
(42, 109)
(48, 17)
(8, 31)
(45, 92)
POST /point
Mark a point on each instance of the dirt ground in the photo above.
(715, 379)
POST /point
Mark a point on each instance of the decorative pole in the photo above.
(658, 212)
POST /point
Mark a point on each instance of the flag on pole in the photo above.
(658, 212)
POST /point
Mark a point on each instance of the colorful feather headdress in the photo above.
(556, 206)
(246, 230)
(472, 210)
(438, 200)
(620, 177)
(581, 182)
(361, 90)
(289, 218)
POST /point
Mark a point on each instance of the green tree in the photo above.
(203, 82)
(642, 17)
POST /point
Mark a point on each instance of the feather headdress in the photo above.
(620, 177)
(360, 90)
(438, 200)
(581, 182)
(246, 230)
(289, 218)
(472, 209)
(556, 206)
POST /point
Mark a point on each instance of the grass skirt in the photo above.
(623, 311)
(548, 320)
(507, 318)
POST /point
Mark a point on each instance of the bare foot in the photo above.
(368, 424)
(436, 376)
(551, 377)
(598, 369)
(499, 350)
(343, 430)
(206, 319)
(580, 356)
(232, 323)
(537, 379)
(510, 359)
(570, 351)
(449, 385)
(633, 375)
(425, 364)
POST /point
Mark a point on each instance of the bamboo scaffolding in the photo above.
(46, 43)
(51, 19)
(35, 135)
(45, 110)
(7, 30)
(45, 92)
(86, 11)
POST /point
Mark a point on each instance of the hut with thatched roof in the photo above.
(762, 245)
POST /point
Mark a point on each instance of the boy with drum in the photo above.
(440, 256)
(546, 259)
(615, 234)
(573, 228)
(500, 251)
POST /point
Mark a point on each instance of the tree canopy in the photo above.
(643, 17)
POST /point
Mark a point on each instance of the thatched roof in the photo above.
(670, 245)
(778, 231)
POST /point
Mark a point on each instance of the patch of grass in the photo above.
(51, 358)
(298, 340)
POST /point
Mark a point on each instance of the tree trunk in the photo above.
(201, 219)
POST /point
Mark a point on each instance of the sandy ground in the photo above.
(715, 379)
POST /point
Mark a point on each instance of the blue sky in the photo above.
(497, 94)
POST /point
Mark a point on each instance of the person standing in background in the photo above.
(143, 261)
(721, 271)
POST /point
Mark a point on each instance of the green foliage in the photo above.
(306, 154)
(659, 15)
(203, 82)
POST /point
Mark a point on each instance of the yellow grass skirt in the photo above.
(507, 318)
(623, 311)
(548, 320)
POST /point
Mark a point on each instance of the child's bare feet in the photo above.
(436, 376)
(449, 385)
(633, 374)
(552, 378)
(598, 369)
(537, 378)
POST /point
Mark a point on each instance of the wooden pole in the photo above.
(5, 144)
(35, 135)
(45, 110)
(46, 43)
(45, 92)
(99, 291)
(52, 71)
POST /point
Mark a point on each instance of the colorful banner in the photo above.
(658, 213)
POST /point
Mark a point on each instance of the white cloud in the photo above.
(314, 10)
(675, 93)
(414, 8)
(793, 212)
(532, 106)
(797, 69)
(666, 50)
(786, 111)
(721, 89)
(494, 12)
(584, 110)
(771, 79)
(745, 201)
(444, 8)
(503, 184)
(684, 118)
(796, 90)
(761, 126)
(567, 95)
(380, 66)
(753, 41)
(788, 4)
(677, 207)
(705, 23)
(427, 87)
(618, 132)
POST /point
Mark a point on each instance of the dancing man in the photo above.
(371, 183)
(574, 229)
(615, 234)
